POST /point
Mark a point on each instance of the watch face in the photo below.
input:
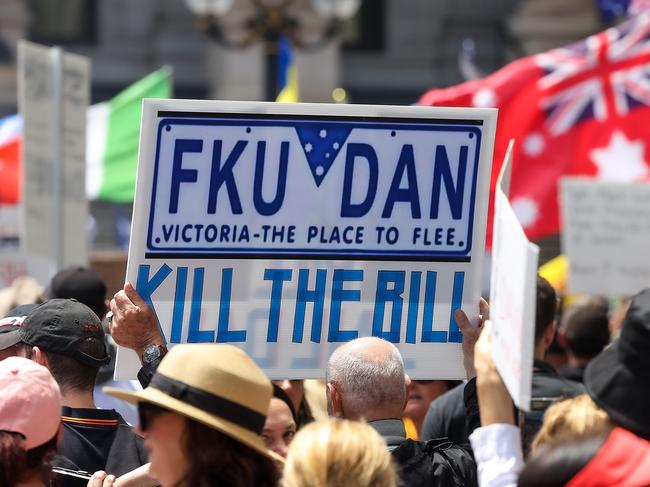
(150, 354)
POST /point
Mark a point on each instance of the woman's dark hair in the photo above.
(556, 464)
(214, 458)
(279, 393)
(304, 415)
(17, 465)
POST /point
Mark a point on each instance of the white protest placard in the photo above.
(54, 91)
(606, 235)
(287, 229)
(512, 294)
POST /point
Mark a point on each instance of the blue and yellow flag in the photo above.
(287, 73)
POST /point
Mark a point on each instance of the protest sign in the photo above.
(54, 90)
(512, 294)
(606, 235)
(287, 229)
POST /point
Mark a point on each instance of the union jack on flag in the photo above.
(577, 110)
(597, 77)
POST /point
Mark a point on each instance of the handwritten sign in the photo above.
(289, 229)
(606, 235)
(512, 294)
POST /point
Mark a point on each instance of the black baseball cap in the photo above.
(61, 326)
(10, 325)
(80, 283)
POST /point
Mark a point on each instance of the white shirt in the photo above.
(497, 450)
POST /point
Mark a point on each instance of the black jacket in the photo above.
(446, 418)
(426, 464)
(447, 414)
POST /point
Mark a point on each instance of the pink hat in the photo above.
(30, 401)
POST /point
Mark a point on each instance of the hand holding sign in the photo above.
(471, 334)
(134, 324)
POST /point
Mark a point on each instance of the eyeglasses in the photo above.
(147, 412)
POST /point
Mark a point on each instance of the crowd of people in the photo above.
(207, 415)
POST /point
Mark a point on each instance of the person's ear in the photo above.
(408, 386)
(39, 357)
(335, 400)
(550, 334)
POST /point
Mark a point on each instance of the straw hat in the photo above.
(216, 385)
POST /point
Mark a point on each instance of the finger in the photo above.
(109, 481)
(133, 295)
(122, 302)
(97, 479)
(484, 309)
(462, 320)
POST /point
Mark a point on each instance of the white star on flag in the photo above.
(526, 210)
(485, 98)
(534, 144)
(622, 159)
(308, 147)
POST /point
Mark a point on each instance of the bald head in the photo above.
(368, 375)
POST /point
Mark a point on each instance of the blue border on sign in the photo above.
(379, 123)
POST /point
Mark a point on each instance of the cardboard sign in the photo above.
(606, 235)
(289, 229)
(512, 294)
(54, 90)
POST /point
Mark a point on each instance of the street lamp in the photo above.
(308, 24)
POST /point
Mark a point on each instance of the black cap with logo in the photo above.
(61, 326)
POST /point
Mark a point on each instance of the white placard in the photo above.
(54, 91)
(512, 294)
(606, 235)
(287, 229)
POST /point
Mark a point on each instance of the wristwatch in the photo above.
(153, 353)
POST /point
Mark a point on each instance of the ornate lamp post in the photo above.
(308, 24)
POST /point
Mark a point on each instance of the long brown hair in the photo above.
(215, 459)
(16, 464)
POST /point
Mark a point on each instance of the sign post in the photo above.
(288, 229)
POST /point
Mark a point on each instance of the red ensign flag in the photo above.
(578, 110)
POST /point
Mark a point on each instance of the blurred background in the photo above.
(354, 51)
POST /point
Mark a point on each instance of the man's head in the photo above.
(585, 330)
(67, 337)
(365, 379)
(82, 284)
(545, 311)
(10, 344)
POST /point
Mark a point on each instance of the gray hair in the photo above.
(369, 372)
